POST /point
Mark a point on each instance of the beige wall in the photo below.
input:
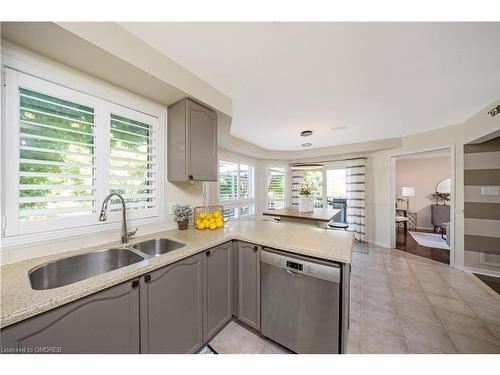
(423, 174)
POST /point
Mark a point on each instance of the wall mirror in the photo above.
(444, 186)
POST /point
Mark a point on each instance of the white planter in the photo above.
(306, 204)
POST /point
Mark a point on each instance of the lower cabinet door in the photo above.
(217, 265)
(172, 308)
(249, 284)
(104, 322)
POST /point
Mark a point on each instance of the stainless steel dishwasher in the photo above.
(300, 302)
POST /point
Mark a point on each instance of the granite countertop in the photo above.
(19, 301)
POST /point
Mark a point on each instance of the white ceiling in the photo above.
(348, 82)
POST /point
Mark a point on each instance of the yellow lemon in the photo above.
(220, 224)
(206, 222)
(198, 221)
(217, 213)
(213, 226)
(200, 226)
(202, 216)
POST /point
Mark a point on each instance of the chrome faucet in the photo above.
(104, 215)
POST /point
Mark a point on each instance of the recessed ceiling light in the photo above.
(337, 128)
(306, 144)
(306, 133)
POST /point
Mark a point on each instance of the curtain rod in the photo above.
(329, 161)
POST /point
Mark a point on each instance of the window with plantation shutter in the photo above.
(133, 162)
(236, 189)
(276, 191)
(65, 151)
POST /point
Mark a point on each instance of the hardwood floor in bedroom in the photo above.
(405, 242)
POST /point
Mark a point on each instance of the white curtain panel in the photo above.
(355, 214)
(297, 179)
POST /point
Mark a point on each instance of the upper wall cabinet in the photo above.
(192, 142)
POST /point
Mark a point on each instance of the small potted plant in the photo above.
(182, 214)
(306, 204)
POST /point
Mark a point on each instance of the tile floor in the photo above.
(402, 303)
(235, 339)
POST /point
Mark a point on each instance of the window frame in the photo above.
(238, 203)
(18, 75)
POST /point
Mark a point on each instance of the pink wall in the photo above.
(423, 174)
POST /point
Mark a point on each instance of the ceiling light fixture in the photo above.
(305, 166)
(306, 133)
(306, 144)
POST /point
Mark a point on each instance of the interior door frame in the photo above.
(392, 195)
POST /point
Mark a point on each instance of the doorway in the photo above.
(422, 199)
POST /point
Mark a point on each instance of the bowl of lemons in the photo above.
(209, 221)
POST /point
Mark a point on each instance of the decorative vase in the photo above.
(183, 224)
(306, 204)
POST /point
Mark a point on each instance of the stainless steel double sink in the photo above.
(69, 270)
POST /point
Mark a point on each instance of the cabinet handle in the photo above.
(207, 253)
(147, 278)
(190, 177)
(135, 283)
(255, 248)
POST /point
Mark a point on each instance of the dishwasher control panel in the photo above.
(329, 272)
(294, 265)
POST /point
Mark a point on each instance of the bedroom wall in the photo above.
(423, 174)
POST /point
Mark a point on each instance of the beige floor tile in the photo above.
(416, 297)
(372, 317)
(430, 277)
(353, 333)
(468, 345)
(377, 271)
(398, 271)
(234, 339)
(379, 300)
(351, 349)
(486, 314)
(418, 313)
(439, 290)
(417, 348)
(355, 281)
(470, 327)
(450, 305)
(379, 342)
(404, 282)
(428, 335)
(376, 285)
(494, 329)
(355, 311)
(269, 347)
(480, 300)
(355, 294)
(356, 270)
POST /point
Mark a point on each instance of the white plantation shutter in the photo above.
(228, 181)
(276, 188)
(133, 156)
(236, 189)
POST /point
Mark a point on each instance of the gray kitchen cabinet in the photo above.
(172, 308)
(104, 322)
(217, 299)
(249, 284)
(192, 142)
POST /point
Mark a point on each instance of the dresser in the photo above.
(440, 213)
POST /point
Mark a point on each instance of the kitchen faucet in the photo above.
(104, 212)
